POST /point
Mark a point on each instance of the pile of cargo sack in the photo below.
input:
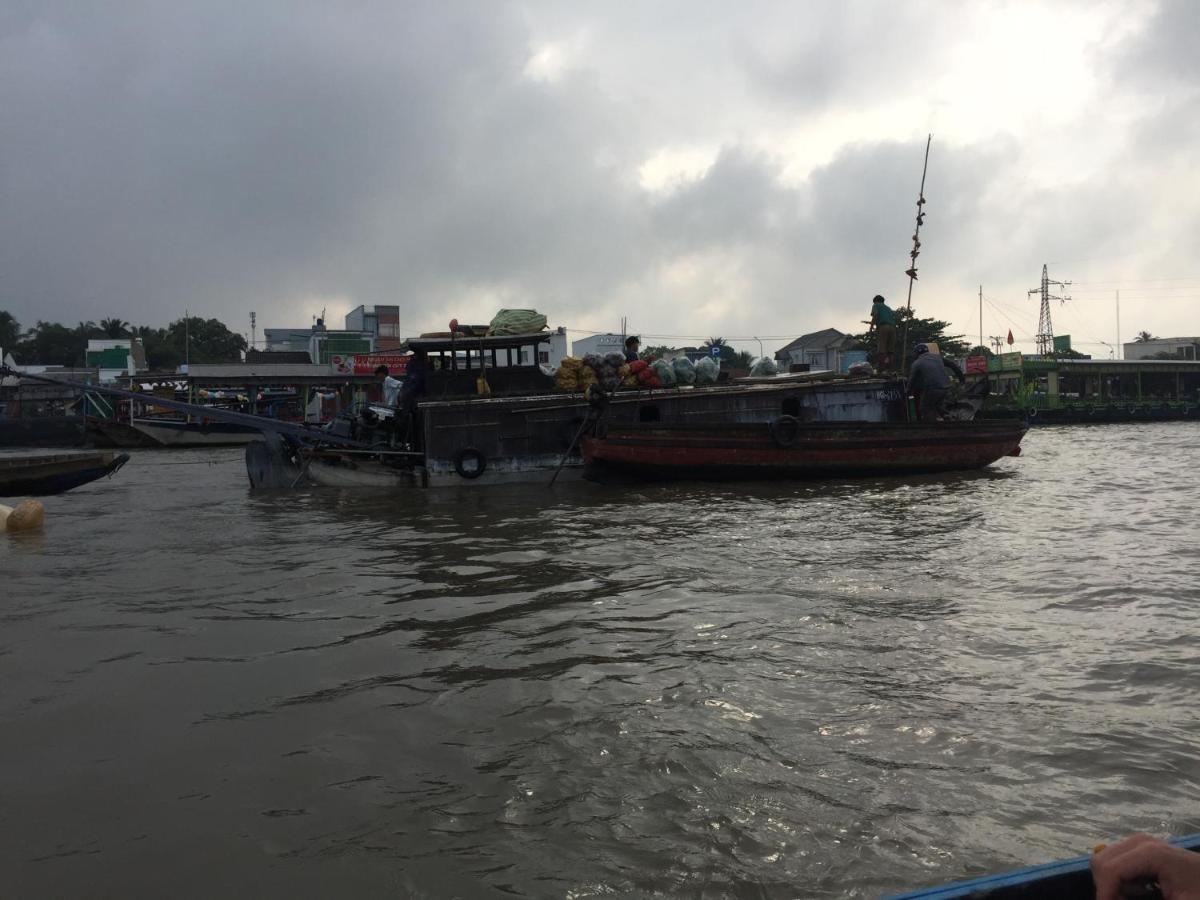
(611, 372)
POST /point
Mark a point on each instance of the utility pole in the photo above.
(1119, 347)
(996, 341)
(1045, 335)
(981, 315)
(252, 329)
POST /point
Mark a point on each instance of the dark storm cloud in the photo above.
(228, 157)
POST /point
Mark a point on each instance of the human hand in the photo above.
(1131, 863)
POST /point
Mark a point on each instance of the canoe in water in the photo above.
(1069, 879)
(35, 474)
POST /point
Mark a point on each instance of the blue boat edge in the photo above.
(1017, 880)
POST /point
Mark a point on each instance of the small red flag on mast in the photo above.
(1010, 339)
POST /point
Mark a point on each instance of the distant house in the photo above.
(114, 357)
(598, 343)
(320, 343)
(826, 349)
(1173, 348)
(381, 321)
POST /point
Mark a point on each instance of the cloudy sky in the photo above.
(702, 168)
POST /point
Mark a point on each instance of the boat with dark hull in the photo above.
(788, 448)
(204, 431)
(480, 421)
(37, 474)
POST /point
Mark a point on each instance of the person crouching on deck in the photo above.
(928, 382)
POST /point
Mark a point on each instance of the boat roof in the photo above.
(462, 342)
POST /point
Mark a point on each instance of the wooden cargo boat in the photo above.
(1069, 879)
(787, 448)
(171, 431)
(33, 474)
(523, 432)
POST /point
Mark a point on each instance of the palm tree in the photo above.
(1143, 336)
(10, 330)
(114, 328)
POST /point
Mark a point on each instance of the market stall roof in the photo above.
(267, 374)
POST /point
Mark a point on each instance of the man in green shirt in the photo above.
(884, 320)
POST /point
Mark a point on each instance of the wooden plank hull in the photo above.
(177, 433)
(31, 476)
(816, 450)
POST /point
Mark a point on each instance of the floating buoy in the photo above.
(27, 516)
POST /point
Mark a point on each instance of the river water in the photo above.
(780, 690)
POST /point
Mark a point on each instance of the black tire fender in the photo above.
(465, 457)
(785, 431)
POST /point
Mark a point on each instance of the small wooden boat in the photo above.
(787, 448)
(1069, 879)
(31, 474)
(169, 431)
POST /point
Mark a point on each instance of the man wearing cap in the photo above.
(928, 382)
(883, 317)
(631, 348)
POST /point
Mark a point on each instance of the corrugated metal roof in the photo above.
(260, 370)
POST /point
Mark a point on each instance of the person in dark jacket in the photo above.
(883, 317)
(631, 348)
(928, 382)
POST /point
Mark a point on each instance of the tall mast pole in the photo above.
(981, 315)
(911, 272)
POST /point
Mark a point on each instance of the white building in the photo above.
(599, 344)
(1175, 348)
(548, 356)
(116, 357)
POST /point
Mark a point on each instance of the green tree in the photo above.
(980, 350)
(741, 359)
(161, 354)
(913, 330)
(1143, 337)
(656, 352)
(10, 330)
(53, 344)
(114, 328)
(207, 340)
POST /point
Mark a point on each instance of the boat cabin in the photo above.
(510, 364)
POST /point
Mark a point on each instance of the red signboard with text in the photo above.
(366, 363)
(976, 365)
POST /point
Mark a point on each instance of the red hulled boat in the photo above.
(788, 448)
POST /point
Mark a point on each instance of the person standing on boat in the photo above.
(631, 348)
(391, 386)
(928, 382)
(883, 317)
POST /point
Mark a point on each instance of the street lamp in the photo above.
(761, 354)
(1112, 354)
